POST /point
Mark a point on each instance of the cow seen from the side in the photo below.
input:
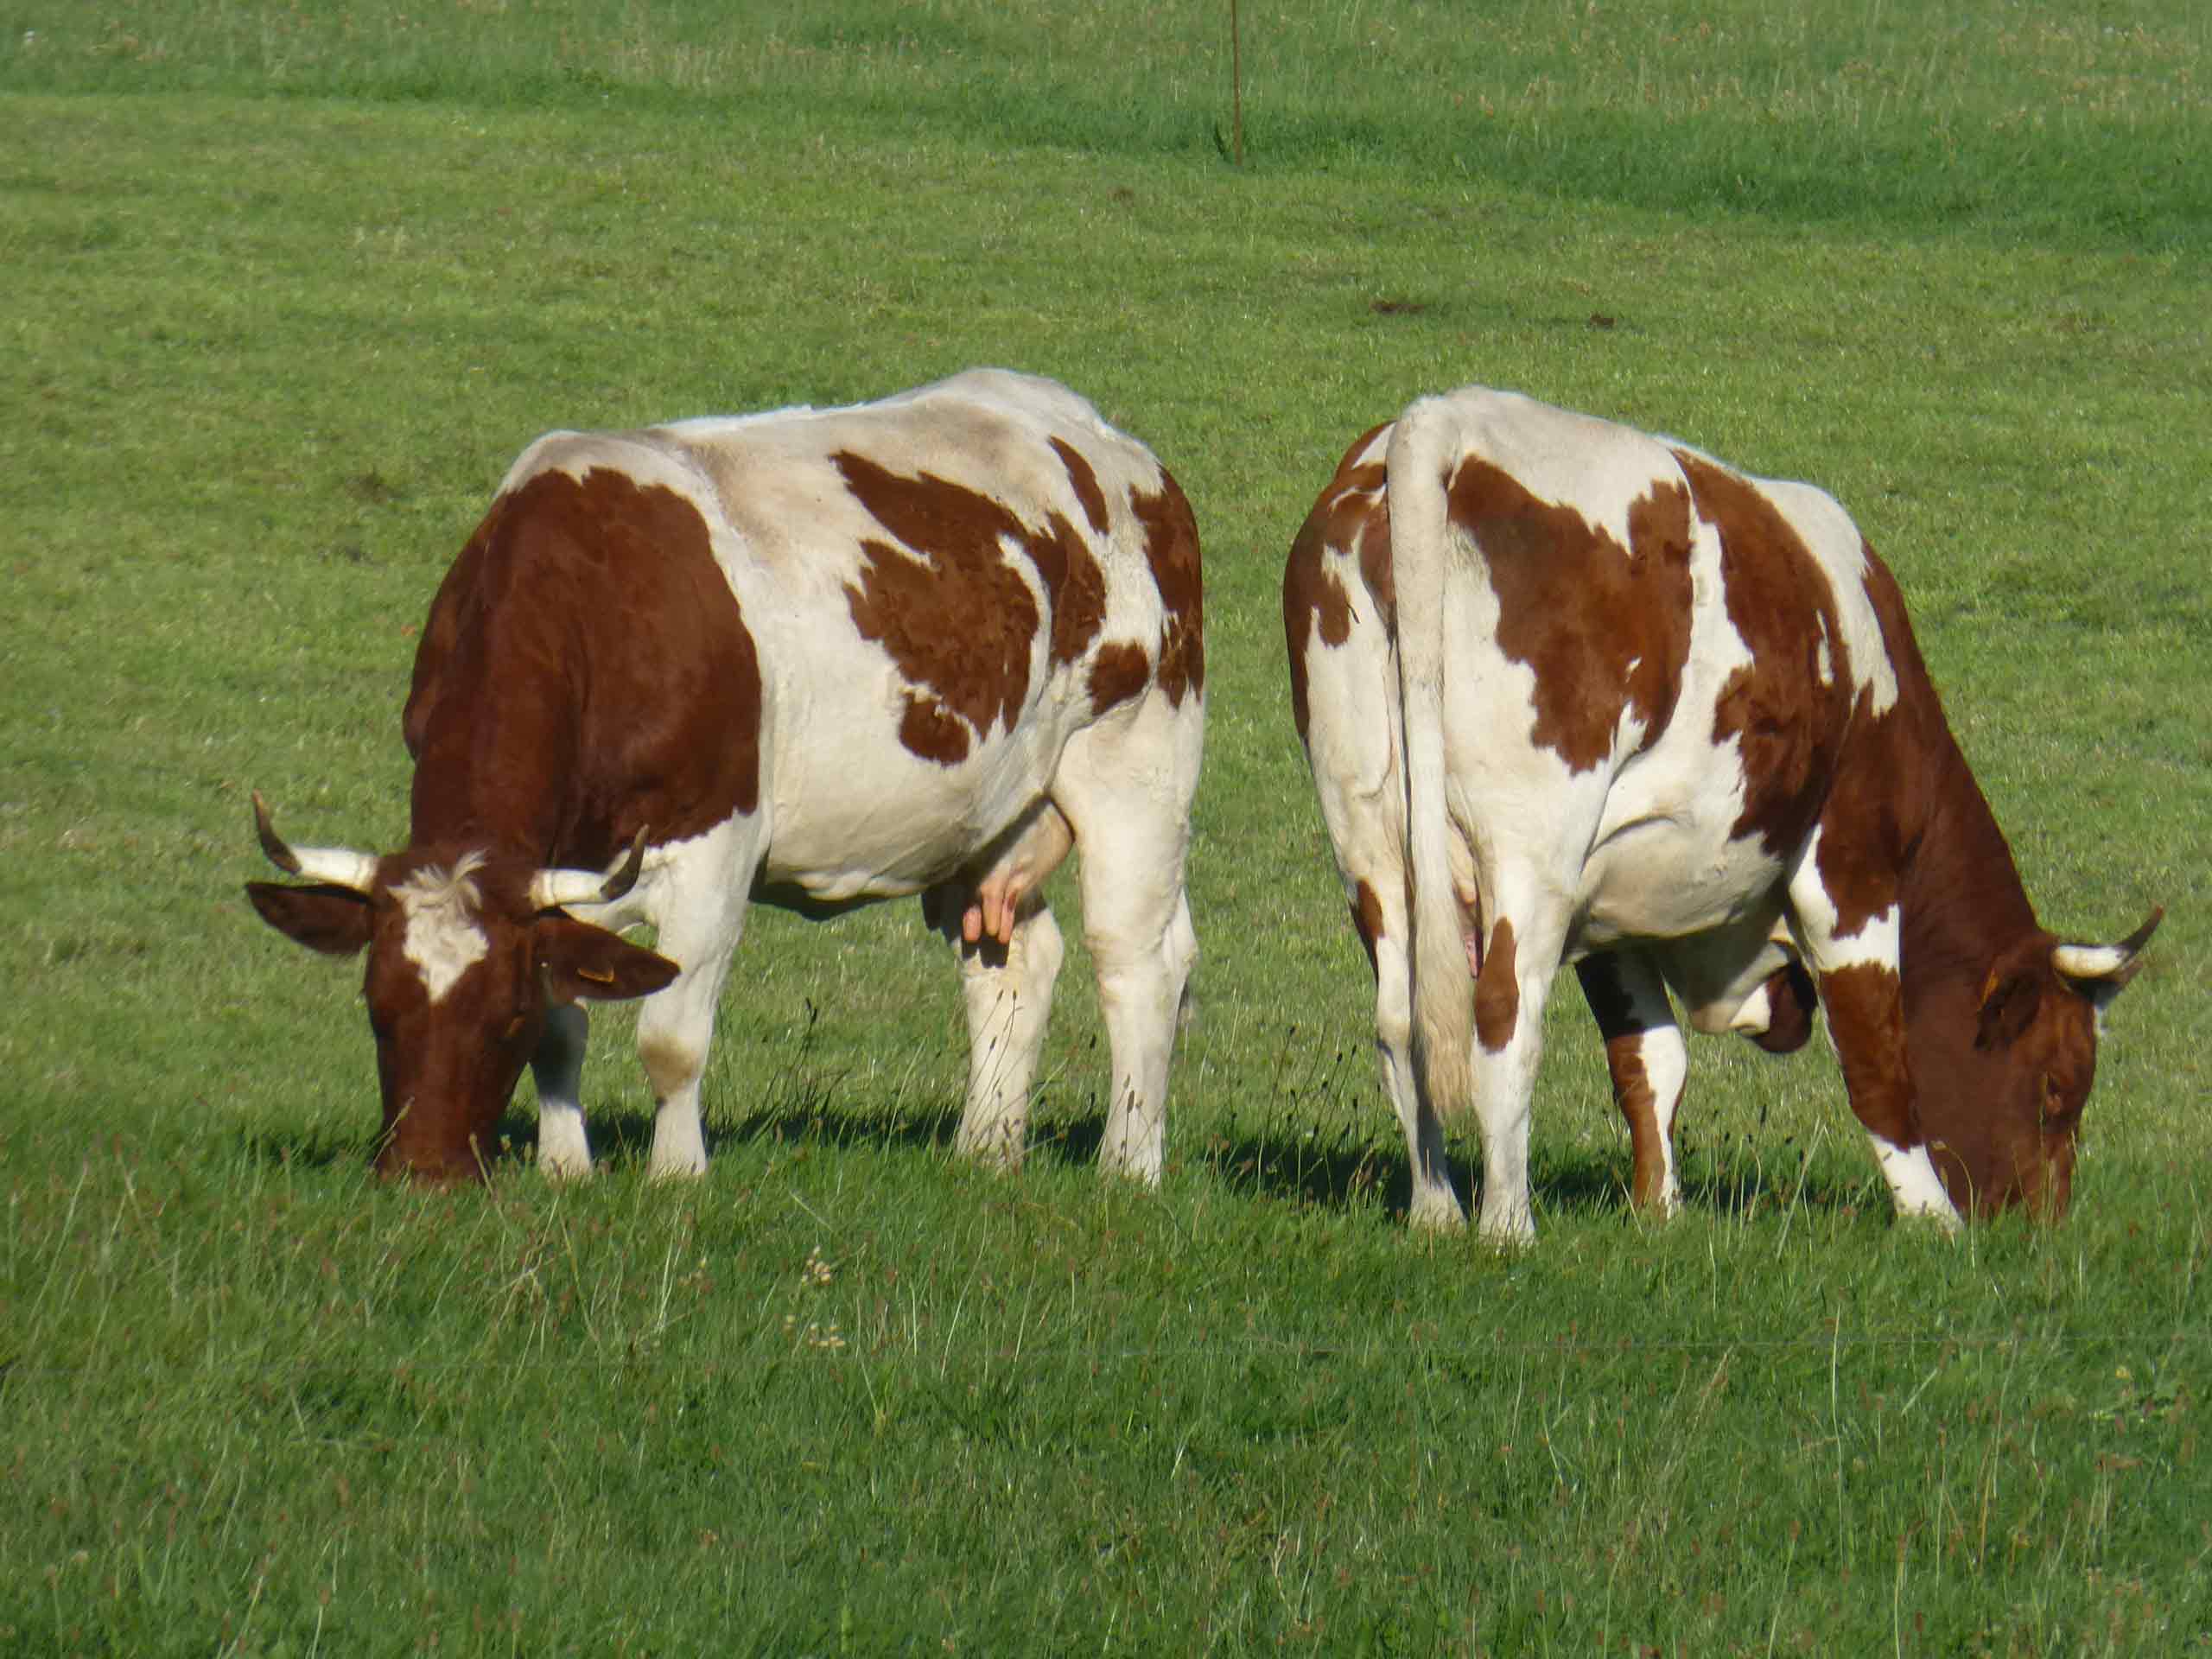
(810, 658)
(1572, 693)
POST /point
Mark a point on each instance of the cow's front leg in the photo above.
(557, 1068)
(1855, 960)
(699, 908)
(1007, 975)
(1648, 1062)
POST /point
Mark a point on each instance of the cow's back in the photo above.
(938, 588)
(1642, 646)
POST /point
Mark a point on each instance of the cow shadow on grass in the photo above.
(312, 1149)
(1735, 1181)
(1738, 1179)
(1302, 1169)
(1306, 1171)
(621, 1136)
(802, 1111)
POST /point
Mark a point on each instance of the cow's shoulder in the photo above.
(982, 543)
(588, 618)
(1800, 583)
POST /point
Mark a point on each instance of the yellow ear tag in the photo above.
(597, 975)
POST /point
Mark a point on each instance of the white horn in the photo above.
(341, 866)
(552, 889)
(2088, 960)
(2106, 962)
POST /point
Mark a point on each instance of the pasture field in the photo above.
(287, 285)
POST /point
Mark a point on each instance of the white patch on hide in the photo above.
(443, 940)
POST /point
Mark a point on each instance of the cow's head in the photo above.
(2004, 1070)
(466, 954)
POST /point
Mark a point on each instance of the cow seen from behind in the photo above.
(810, 658)
(1572, 693)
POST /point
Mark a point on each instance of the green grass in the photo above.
(288, 289)
(2071, 123)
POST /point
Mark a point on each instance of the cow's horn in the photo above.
(341, 866)
(551, 889)
(2106, 961)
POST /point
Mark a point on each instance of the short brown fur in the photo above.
(1171, 548)
(1084, 482)
(1367, 918)
(953, 614)
(528, 671)
(1788, 723)
(1497, 990)
(1352, 510)
(1605, 628)
(1120, 671)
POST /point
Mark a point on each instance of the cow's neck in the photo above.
(1963, 901)
(493, 773)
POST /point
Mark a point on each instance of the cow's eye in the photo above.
(2055, 1111)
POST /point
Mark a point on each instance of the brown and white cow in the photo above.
(812, 658)
(1572, 693)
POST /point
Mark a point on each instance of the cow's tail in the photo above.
(1424, 449)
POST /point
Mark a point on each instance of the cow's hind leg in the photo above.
(1648, 1061)
(1519, 956)
(1125, 787)
(1010, 950)
(1378, 913)
(699, 908)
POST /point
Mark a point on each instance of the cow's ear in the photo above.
(331, 919)
(2008, 1007)
(580, 961)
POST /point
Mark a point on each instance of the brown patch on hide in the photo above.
(1375, 568)
(1905, 820)
(1120, 671)
(1170, 549)
(929, 731)
(1866, 1017)
(1863, 838)
(1639, 1107)
(1367, 918)
(1624, 1030)
(1498, 990)
(586, 671)
(1085, 483)
(953, 613)
(1605, 628)
(1075, 588)
(1346, 513)
(1788, 720)
(1300, 581)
